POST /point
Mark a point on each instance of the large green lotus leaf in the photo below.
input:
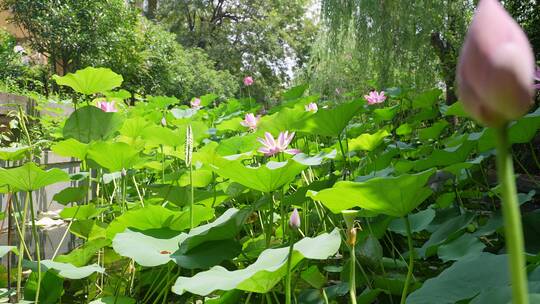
(446, 157)
(432, 132)
(265, 273)
(161, 102)
(466, 246)
(224, 227)
(418, 221)
(448, 230)
(114, 300)
(70, 195)
(90, 80)
(92, 229)
(231, 124)
(288, 119)
(264, 178)
(463, 280)
(69, 271)
(208, 254)
(89, 123)
(157, 135)
(134, 127)
(456, 109)
(330, 122)
(208, 99)
(394, 196)
(82, 212)
(158, 245)
(156, 217)
(426, 99)
(238, 144)
(180, 196)
(13, 153)
(84, 254)
(294, 92)
(113, 156)
(52, 287)
(200, 178)
(293, 103)
(520, 132)
(385, 114)
(404, 129)
(71, 148)
(30, 177)
(368, 142)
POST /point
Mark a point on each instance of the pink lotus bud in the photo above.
(537, 78)
(248, 81)
(163, 121)
(294, 221)
(495, 67)
(195, 103)
(123, 172)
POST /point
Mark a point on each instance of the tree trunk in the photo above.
(447, 56)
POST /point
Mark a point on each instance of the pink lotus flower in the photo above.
(107, 106)
(248, 81)
(273, 147)
(312, 107)
(375, 97)
(495, 67)
(195, 103)
(250, 121)
(294, 221)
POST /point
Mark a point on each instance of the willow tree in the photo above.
(384, 43)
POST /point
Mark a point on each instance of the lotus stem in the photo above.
(512, 218)
(37, 244)
(351, 239)
(192, 197)
(21, 246)
(411, 260)
(289, 274)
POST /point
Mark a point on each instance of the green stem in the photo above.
(512, 219)
(352, 276)
(37, 245)
(21, 246)
(192, 198)
(411, 260)
(289, 274)
(345, 159)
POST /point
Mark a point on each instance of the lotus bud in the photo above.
(351, 236)
(496, 67)
(294, 221)
(189, 145)
(123, 172)
(163, 121)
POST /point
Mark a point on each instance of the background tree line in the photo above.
(187, 48)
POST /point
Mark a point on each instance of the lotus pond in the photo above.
(391, 197)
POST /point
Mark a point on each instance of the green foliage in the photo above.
(90, 80)
(247, 38)
(152, 62)
(262, 275)
(30, 177)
